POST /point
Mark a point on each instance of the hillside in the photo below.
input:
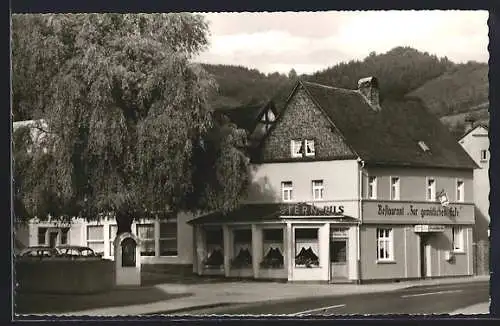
(462, 89)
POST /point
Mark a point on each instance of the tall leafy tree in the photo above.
(129, 129)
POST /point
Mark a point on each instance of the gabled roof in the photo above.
(480, 125)
(246, 117)
(390, 136)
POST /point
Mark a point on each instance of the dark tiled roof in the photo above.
(245, 117)
(264, 212)
(390, 136)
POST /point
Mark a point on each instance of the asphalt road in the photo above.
(438, 299)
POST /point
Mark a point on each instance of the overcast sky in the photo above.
(311, 41)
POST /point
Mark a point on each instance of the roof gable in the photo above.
(470, 131)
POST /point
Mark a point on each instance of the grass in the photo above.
(34, 303)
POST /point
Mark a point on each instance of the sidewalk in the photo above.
(214, 294)
(480, 308)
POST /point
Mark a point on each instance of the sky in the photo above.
(312, 41)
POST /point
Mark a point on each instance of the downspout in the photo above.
(360, 215)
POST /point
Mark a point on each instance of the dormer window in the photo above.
(423, 146)
(300, 148)
(309, 145)
(296, 148)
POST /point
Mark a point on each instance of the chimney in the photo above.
(469, 123)
(368, 87)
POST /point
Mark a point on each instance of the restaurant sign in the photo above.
(310, 210)
(428, 228)
(412, 210)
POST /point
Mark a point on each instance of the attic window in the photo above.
(423, 146)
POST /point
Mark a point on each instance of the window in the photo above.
(146, 234)
(168, 237)
(395, 188)
(296, 148)
(458, 239)
(309, 145)
(64, 236)
(431, 189)
(95, 238)
(242, 248)
(385, 245)
(272, 246)
(41, 236)
(317, 189)
(287, 190)
(113, 228)
(460, 190)
(484, 155)
(306, 248)
(372, 187)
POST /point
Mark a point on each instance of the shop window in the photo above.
(460, 191)
(309, 146)
(296, 148)
(95, 238)
(272, 245)
(385, 246)
(306, 247)
(168, 237)
(113, 228)
(431, 189)
(317, 189)
(146, 234)
(242, 248)
(395, 188)
(372, 187)
(42, 233)
(458, 239)
(287, 191)
(214, 240)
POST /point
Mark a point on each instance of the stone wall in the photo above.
(303, 120)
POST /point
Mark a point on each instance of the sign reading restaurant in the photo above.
(411, 210)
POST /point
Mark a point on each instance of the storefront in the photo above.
(416, 240)
(295, 242)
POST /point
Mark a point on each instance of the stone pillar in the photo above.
(256, 249)
(324, 251)
(289, 243)
(227, 249)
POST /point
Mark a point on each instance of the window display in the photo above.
(306, 248)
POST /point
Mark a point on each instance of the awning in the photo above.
(268, 212)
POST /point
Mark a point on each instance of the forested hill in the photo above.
(451, 91)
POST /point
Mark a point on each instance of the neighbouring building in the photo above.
(347, 188)
(475, 142)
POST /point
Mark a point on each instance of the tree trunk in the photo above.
(124, 222)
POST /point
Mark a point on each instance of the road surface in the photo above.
(437, 299)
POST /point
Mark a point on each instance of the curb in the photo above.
(190, 308)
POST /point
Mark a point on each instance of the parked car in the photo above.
(39, 251)
(76, 251)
